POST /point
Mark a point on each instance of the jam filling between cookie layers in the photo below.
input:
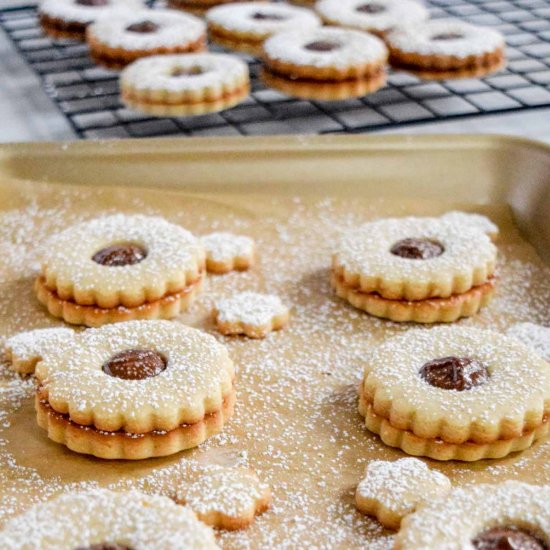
(188, 71)
(370, 8)
(105, 546)
(119, 255)
(143, 27)
(262, 16)
(92, 3)
(417, 249)
(135, 364)
(454, 373)
(508, 538)
(322, 46)
(448, 36)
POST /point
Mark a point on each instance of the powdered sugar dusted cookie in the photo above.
(391, 490)
(226, 498)
(227, 252)
(376, 16)
(251, 314)
(115, 40)
(25, 349)
(187, 84)
(532, 335)
(445, 45)
(510, 515)
(103, 519)
(483, 223)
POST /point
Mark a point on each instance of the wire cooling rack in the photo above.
(88, 95)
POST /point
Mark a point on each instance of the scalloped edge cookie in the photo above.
(227, 251)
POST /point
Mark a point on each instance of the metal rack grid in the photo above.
(88, 96)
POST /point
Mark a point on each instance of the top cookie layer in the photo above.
(452, 258)
(162, 258)
(72, 11)
(100, 517)
(168, 28)
(260, 20)
(454, 521)
(378, 16)
(445, 38)
(137, 376)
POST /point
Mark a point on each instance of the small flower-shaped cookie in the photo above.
(25, 349)
(391, 490)
(251, 314)
(532, 335)
(227, 252)
(226, 498)
(473, 220)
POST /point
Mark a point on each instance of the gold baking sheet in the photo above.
(296, 418)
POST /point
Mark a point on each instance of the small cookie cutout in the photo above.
(483, 223)
(103, 519)
(534, 336)
(391, 490)
(25, 349)
(251, 314)
(228, 252)
(228, 498)
(480, 517)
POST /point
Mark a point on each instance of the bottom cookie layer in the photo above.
(441, 450)
(166, 308)
(433, 310)
(324, 91)
(122, 445)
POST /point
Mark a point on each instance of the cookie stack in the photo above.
(119, 268)
(456, 393)
(426, 270)
(135, 390)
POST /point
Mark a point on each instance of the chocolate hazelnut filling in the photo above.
(508, 538)
(417, 249)
(105, 546)
(262, 16)
(187, 71)
(135, 364)
(92, 3)
(143, 27)
(322, 46)
(448, 36)
(454, 373)
(120, 255)
(370, 8)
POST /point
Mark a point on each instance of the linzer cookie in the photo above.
(456, 393)
(508, 515)
(25, 349)
(227, 252)
(425, 270)
(445, 46)
(251, 314)
(100, 519)
(190, 84)
(245, 25)
(391, 490)
(226, 498)
(69, 18)
(119, 268)
(118, 39)
(327, 54)
(135, 390)
(375, 16)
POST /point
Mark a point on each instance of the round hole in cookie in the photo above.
(105, 546)
(322, 46)
(371, 8)
(135, 364)
(118, 255)
(187, 71)
(263, 16)
(454, 373)
(417, 249)
(448, 36)
(143, 27)
(92, 3)
(508, 538)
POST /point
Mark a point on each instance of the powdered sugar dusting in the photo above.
(534, 336)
